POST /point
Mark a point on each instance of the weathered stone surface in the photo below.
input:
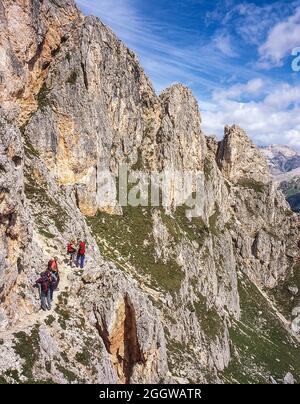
(293, 290)
(239, 159)
(162, 294)
(180, 142)
(31, 33)
(15, 228)
(289, 379)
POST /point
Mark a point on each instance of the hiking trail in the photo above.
(39, 317)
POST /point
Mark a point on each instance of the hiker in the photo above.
(53, 285)
(72, 252)
(53, 267)
(44, 286)
(80, 255)
(38, 285)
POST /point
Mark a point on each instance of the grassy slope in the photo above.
(281, 295)
(129, 238)
(260, 345)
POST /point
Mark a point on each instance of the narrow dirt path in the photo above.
(39, 317)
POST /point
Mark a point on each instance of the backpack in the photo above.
(45, 283)
(70, 248)
(81, 248)
(53, 280)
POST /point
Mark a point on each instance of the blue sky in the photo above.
(234, 55)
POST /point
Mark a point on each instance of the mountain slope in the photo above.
(284, 163)
(163, 297)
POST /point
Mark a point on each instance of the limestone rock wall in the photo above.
(31, 32)
(161, 292)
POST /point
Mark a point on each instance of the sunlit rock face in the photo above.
(239, 159)
(163, 297)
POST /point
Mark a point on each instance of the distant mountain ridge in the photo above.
(284, 164)
(281, 159)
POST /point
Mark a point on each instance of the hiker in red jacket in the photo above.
(44, 282)
(53, 268)
(80, 255)
(72, 252)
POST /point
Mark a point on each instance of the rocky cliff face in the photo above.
(239, 159)
(31, 34)
(164, 297)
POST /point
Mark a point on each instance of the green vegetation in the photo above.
(139, 165)
(213, 221)
(176, 351)
(10, 374)
(27, 347)
(208, 169)
(67, 373)
(42, 97)
(39, 193)
(72, 78)
(68, 56)
(281, 294)
(84, 357)
(291, 190)
(62, 310)
(209, 319)
(45, 233)
(179, 225)
(261, 347)
(128, 239)
(49, 320)
(55, 51)
(130, 236)
(257, 186)
(30, 151)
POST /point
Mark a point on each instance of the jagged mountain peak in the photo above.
(239, 159)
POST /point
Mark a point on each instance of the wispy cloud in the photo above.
(252, 88)
(282, 38)
(251, 21)
(217, 57)
(273, 119)
(222, 42)
(201, 61)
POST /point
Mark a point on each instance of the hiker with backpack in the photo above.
(80, 255)
(53, 285)
(72, 252)
(44, 287)
(53, 268)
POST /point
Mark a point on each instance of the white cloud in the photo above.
(253, 87)
(222, 42)
(282, 38)
(274, 119)
(250, 21)
(269, 112)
